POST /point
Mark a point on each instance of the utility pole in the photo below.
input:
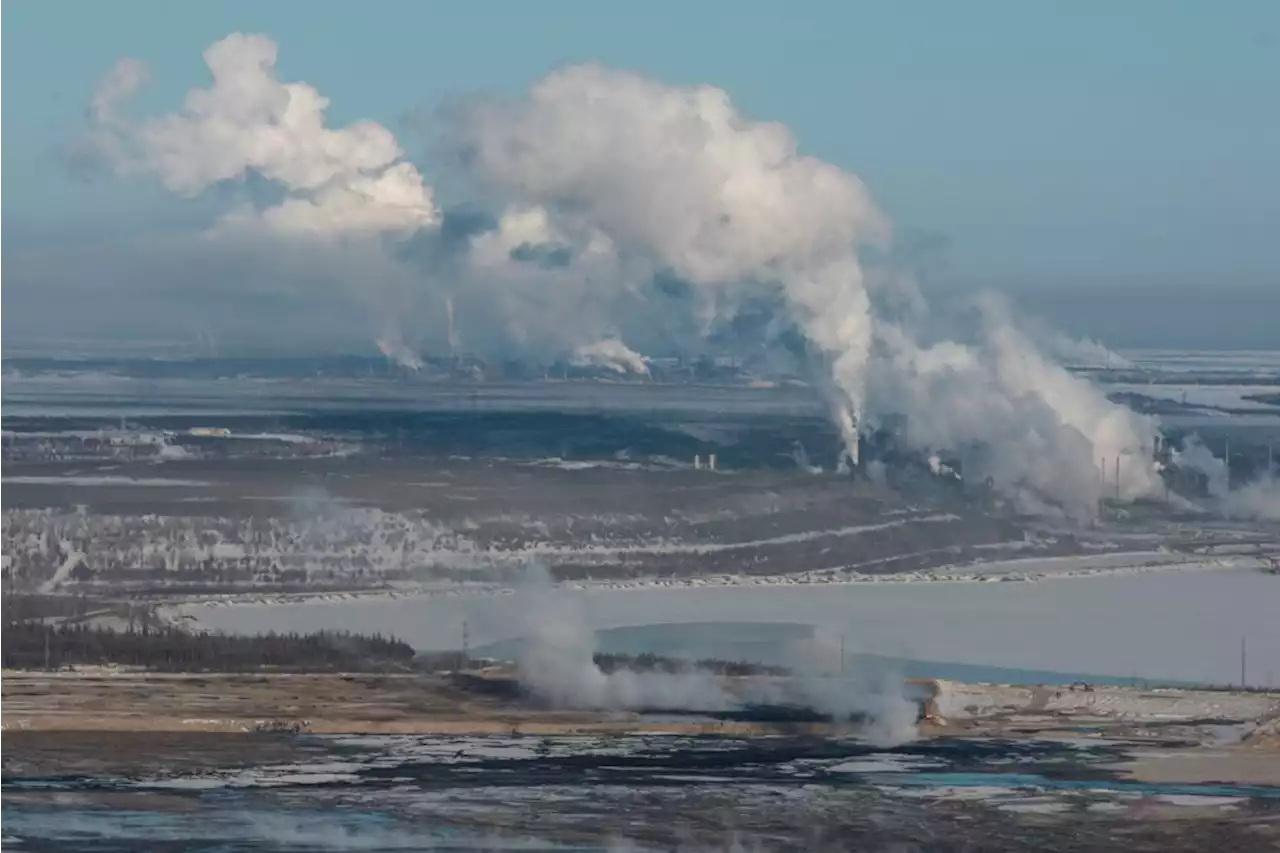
(1243, 652)
(1117, 479)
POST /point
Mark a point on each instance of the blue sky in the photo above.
(1052, 147)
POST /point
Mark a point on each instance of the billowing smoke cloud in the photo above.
(556, 660)
(343, 191)
(676, 176)
(1074, 352)
(336, 181)
(824, 680)
(1084, 352)
(395, 349)
(612, 354)
(627, 209)
(1258, 499)
(118, 85)
(1013, 415)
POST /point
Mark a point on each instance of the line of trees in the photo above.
(34, 645)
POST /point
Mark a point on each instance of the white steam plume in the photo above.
(1083, 352)
(117, 85)
(824, 680)
(612, 354)
(344, 190)
(1258, 499)
(336, 181)
(604, 179)
(1014, 415)
(556, 659)
(677, 175)
(395, 349)
(1074, 352)
(543, 287)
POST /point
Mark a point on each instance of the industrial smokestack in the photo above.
(607, 178)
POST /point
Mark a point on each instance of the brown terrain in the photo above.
(1183, 727)
(109, 700)
(134, 724)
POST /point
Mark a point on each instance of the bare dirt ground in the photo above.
(142, 753)
(134, 740)
(1180, 735)
(120, 701)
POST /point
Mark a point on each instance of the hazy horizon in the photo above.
(1109, 169)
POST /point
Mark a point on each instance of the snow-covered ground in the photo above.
(1214, 396)
(1237, 362)
(965, 701)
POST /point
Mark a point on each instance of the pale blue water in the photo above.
(223, 824)
(1102, 625)
(777, 644)
(1120, 786)
(388, 794)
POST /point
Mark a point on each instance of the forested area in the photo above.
(36, 645)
